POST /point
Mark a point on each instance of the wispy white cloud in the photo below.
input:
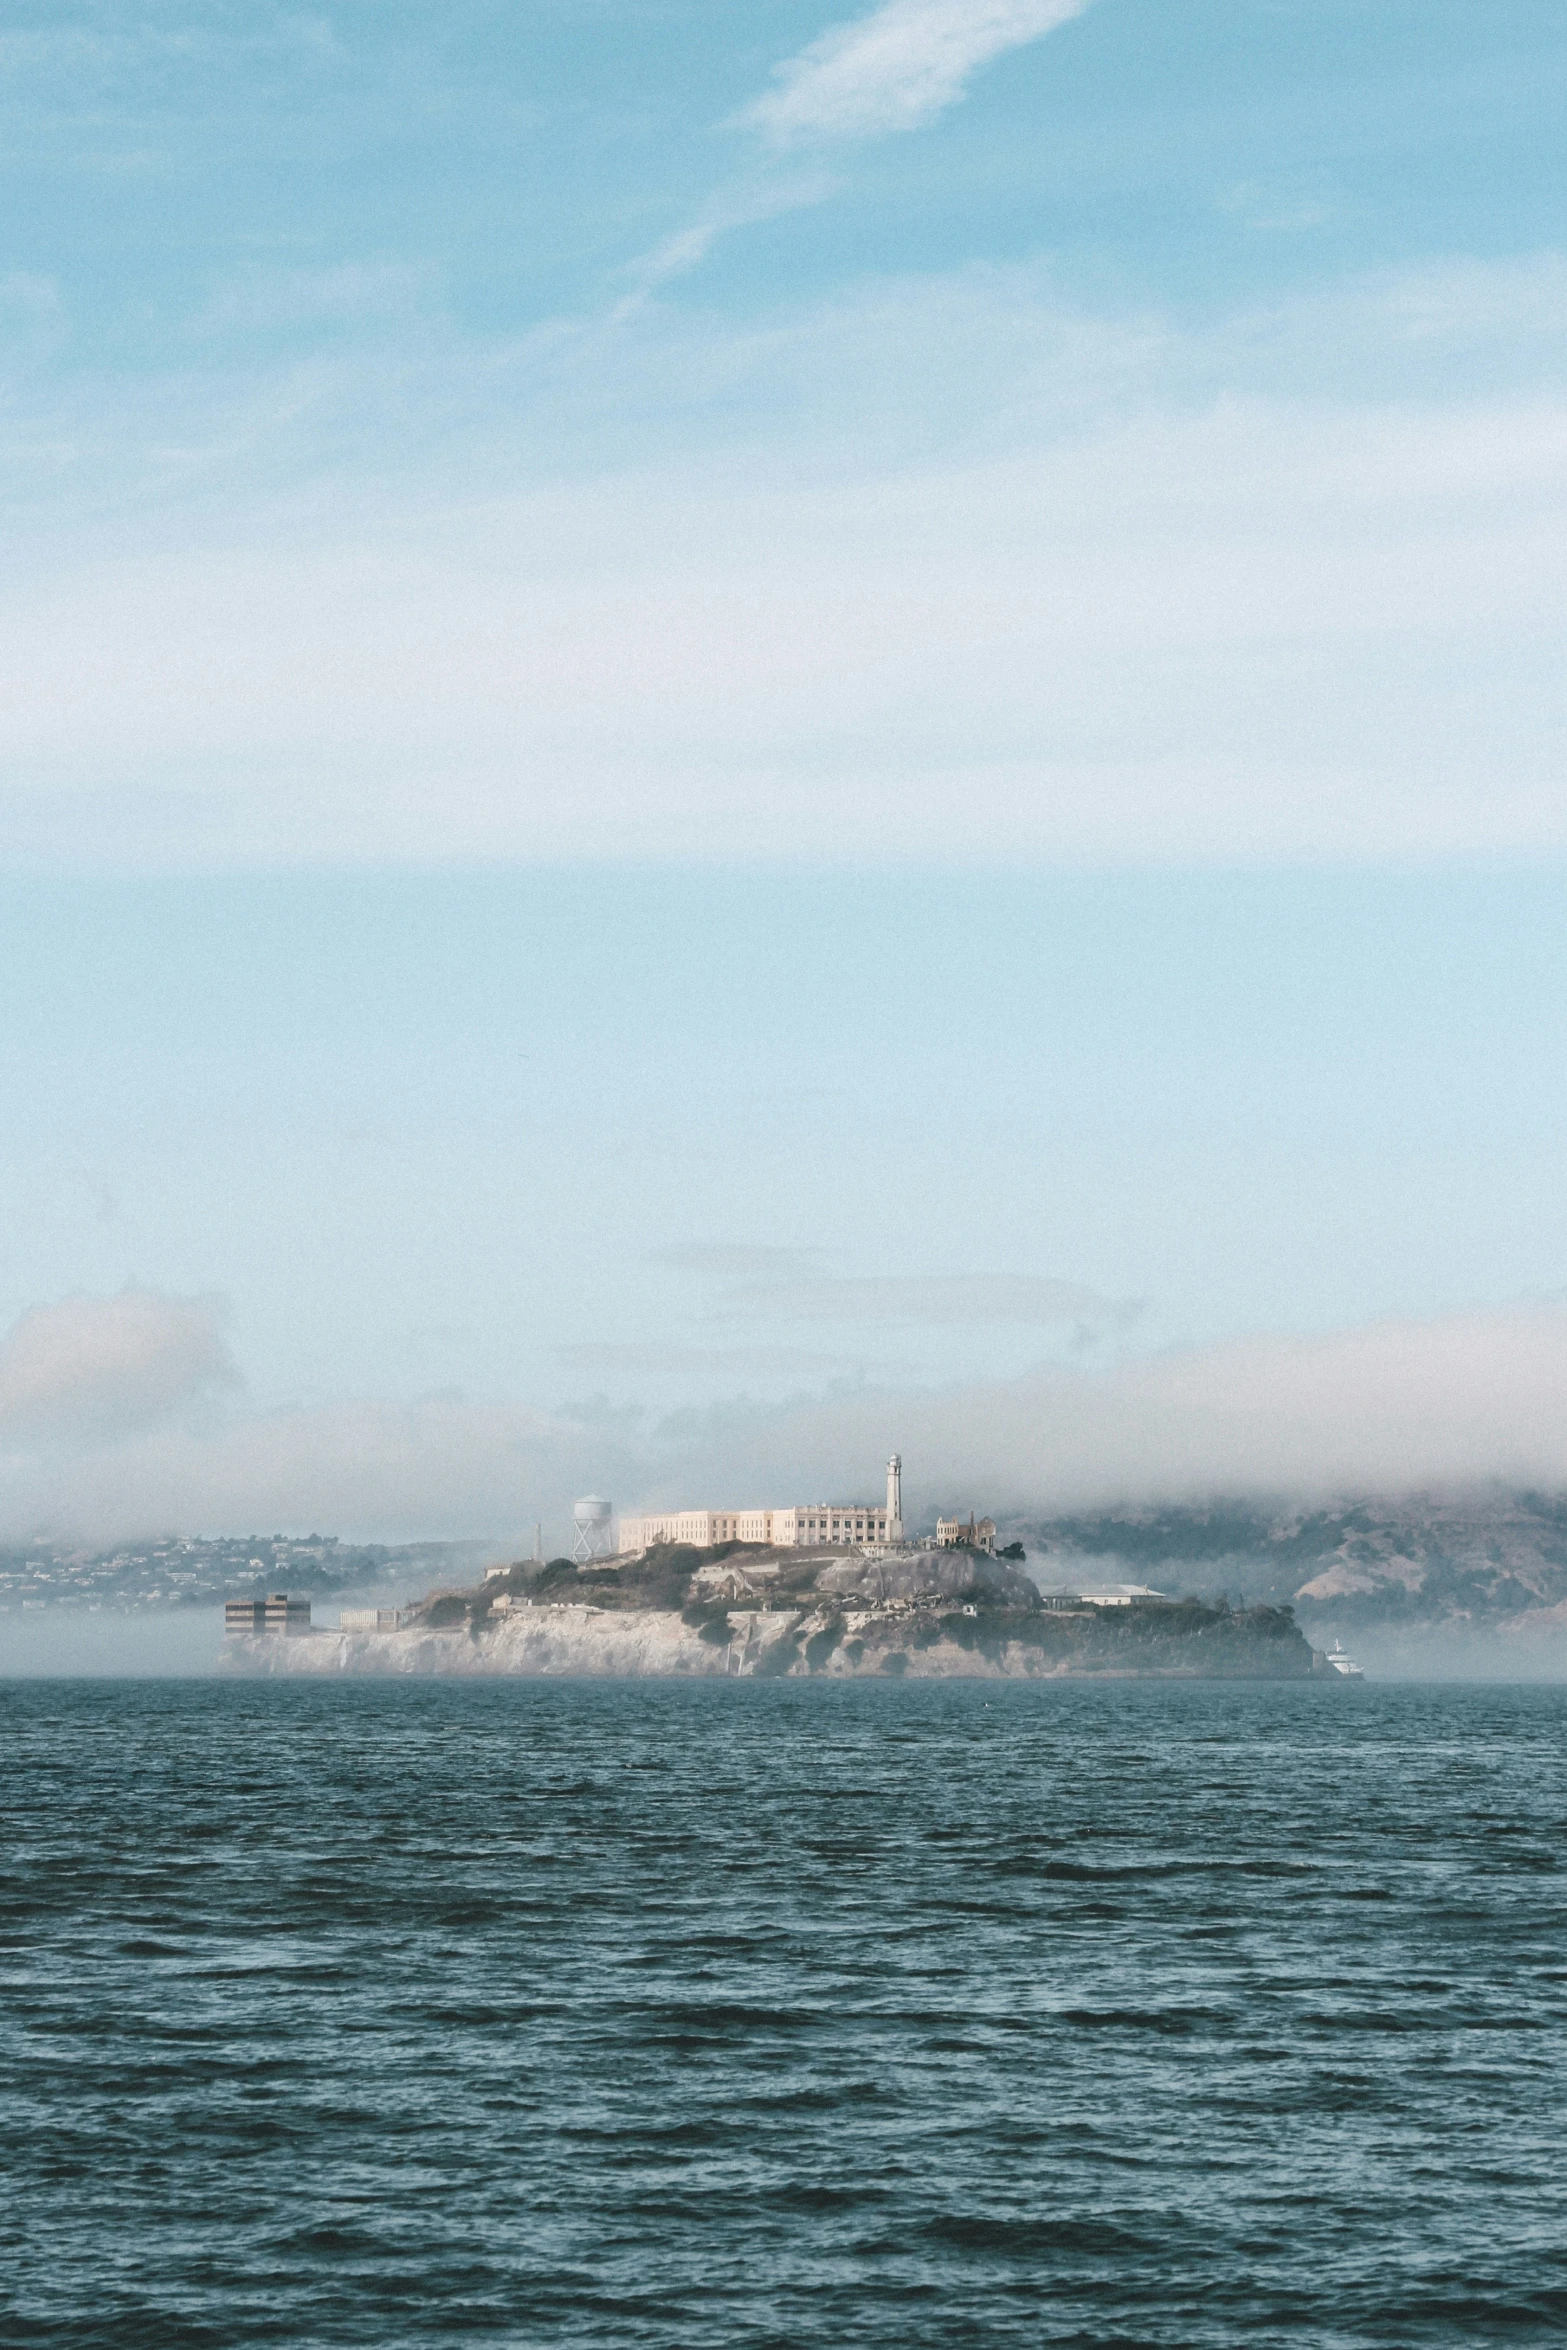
(894, 69)
(91, 1369)
(890, 71)
(935, 1298)
(1144, 593)
(755, 199)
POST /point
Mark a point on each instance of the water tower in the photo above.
(591, 1516)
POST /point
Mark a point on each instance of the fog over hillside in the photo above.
(131, 1412)
(1443, 1583)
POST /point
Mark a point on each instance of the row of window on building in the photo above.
(276, 1613)
(802, 1526)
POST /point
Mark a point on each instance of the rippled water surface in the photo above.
(750, 2013)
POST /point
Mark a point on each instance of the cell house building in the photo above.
(804, 1525)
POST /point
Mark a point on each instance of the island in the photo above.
(753, 1610)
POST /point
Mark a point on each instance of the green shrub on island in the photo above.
(709, 1618)
(552, 1577)
(997, 1615)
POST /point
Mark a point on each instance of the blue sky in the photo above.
(507, 435)
(729, 730)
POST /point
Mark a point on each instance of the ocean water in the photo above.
(779, 2014)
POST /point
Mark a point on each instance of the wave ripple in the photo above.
(773, 2014)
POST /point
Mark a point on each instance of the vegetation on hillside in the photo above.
(1424, 1560)
(997, 1615)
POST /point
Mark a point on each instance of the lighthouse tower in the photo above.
(895, 1498)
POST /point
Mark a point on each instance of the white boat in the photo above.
(1342, 1662)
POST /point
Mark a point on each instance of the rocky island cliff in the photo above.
(743, 1610)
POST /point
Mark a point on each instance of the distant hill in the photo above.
(1490, 1564)
(189, 1570)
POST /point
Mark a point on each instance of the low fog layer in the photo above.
(146, 1645)
(124, 1413)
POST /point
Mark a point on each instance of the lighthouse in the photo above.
(895, 1498)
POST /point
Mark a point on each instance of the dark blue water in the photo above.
(781, 2014)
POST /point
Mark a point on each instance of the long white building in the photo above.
(804, 1525)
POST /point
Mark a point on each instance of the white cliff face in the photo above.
(538, 1640)
(917, 1614)
(627, 1643)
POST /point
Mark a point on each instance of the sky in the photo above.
(732, 736)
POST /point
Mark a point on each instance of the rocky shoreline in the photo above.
(923, 1615)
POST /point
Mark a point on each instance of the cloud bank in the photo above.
(92, 1368)
(897, 68)
(1392, 1407)
(1152, 594)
